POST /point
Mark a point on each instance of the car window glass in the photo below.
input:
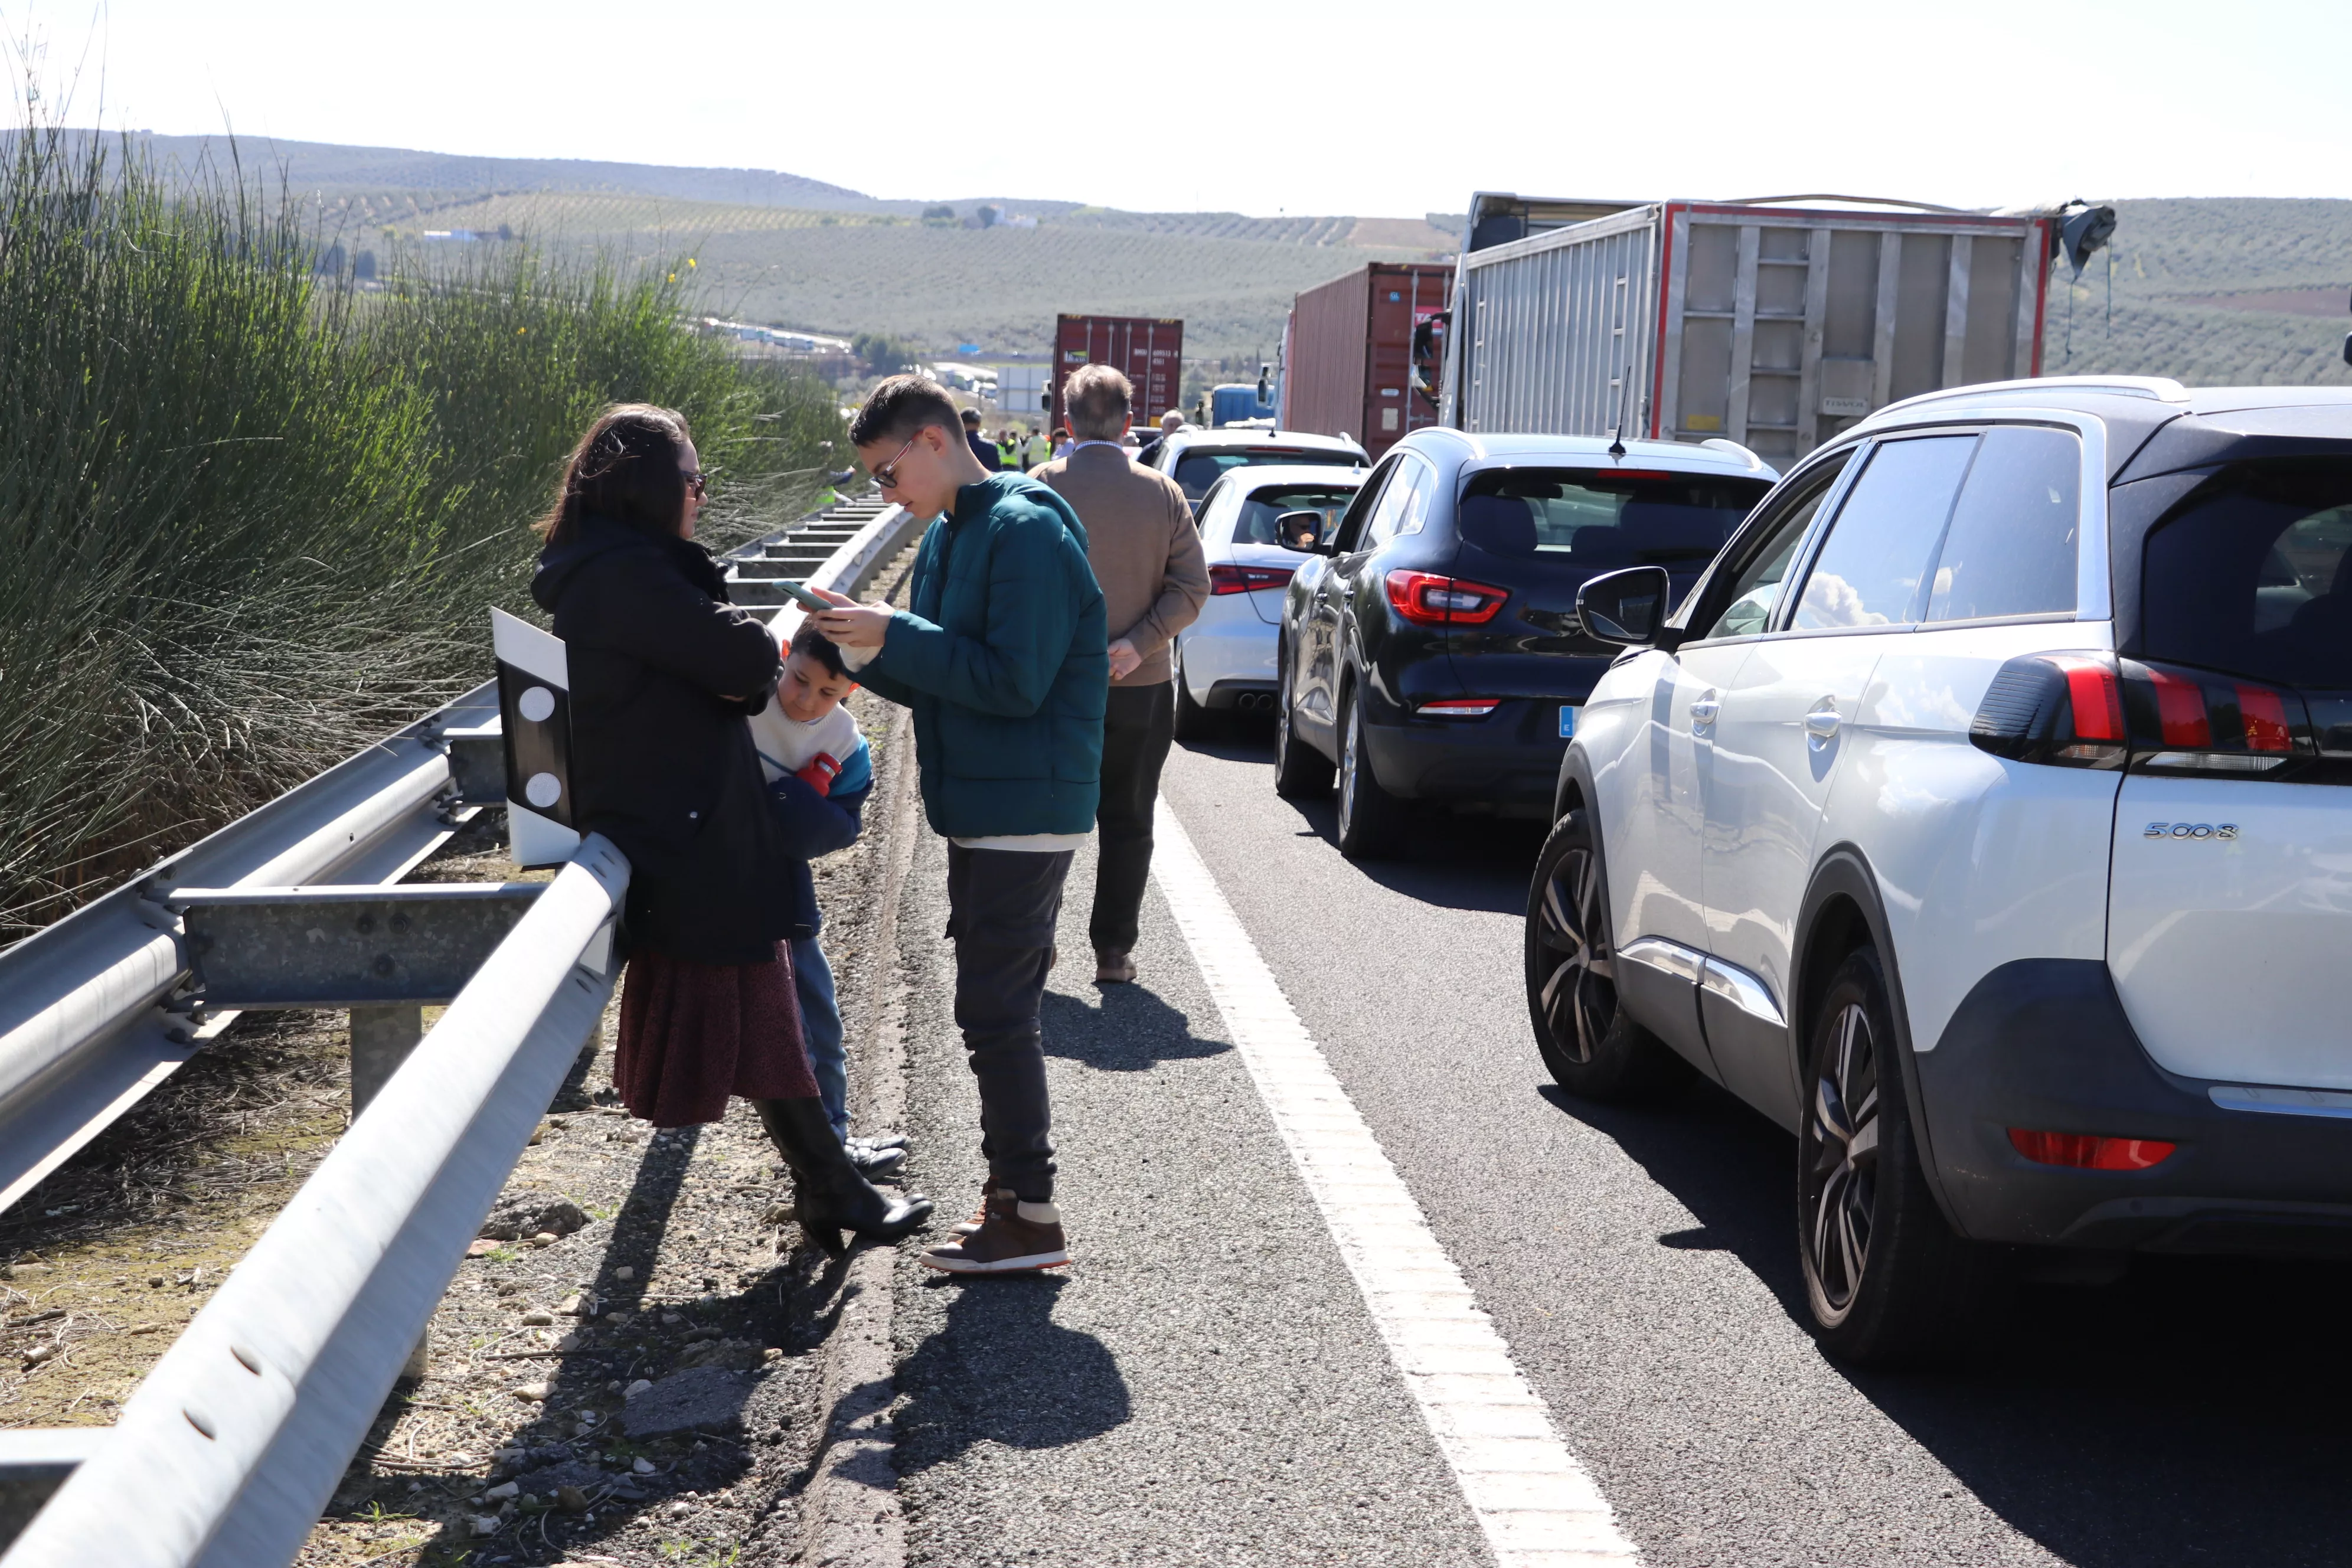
(1351, 525)
(1265, 505)
(1211, 513)
(1395, 501)
(1757, 588)
(1416, 510)
(1198, 468)
(2010, 548)
(2254, 574)
(1605, 517)
(1869, 569)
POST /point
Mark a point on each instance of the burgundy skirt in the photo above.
(692, 1034)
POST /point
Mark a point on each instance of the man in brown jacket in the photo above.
(1146, 553)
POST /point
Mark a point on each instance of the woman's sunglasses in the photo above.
(695, 483)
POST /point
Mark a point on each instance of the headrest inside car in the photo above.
(1500, 525)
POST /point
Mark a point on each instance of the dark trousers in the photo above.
(1001, 907)
(1139, 723)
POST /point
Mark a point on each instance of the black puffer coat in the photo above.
(663, 672)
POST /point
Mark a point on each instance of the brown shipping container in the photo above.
(1149, 350)
(1350, 370)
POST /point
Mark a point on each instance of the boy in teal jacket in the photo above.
(1001, 653)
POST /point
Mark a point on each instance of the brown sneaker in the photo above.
(990, 1199)
(1006, 1243)
(1113, 967)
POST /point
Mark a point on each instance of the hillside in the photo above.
(2211, 291)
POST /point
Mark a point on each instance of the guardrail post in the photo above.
(382, 1038)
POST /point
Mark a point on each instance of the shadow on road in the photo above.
(1128, 1029)
(2191, 1413)
(1447, 860)
(999, 1370)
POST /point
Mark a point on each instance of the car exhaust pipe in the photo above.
(1254, 702)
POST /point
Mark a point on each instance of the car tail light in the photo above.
(1428, 600)
(2089, 1152)
(2063, 709)
(1245, 579)
(2194, 721)
(2093, 710)
(1459, 707)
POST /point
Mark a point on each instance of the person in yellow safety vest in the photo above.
(1008, 448)
(1035, 450)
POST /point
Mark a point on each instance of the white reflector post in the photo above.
(535, 713)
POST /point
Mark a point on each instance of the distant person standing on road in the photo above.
(1061, 440)
(1001, 654)
(980, 449)
(665, 676)
(1170, 423)
(1146, 553)
(1008, 448)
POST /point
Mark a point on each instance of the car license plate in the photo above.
(1567, 723)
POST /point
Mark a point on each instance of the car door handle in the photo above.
(1821, 723)
(1703, 713)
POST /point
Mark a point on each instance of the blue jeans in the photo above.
(820, 1029)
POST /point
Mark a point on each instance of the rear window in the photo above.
(1605, 517)
(1255, 523)
(1196, 472)
(2252, 575)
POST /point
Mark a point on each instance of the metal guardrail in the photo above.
(235, 1439)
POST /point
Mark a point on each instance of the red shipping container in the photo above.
(1147, 350)
(1349, 346)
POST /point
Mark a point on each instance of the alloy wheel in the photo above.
(1579, 996)
(1842, 1165)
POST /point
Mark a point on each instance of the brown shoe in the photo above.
(1113, 967)
(991, 1200)
(1006, 1243)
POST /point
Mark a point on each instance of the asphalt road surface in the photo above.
(1206, 1386)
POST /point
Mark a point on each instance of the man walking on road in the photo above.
(1146, 553)
(1170, 423)
(980, 449)
(1001, 654)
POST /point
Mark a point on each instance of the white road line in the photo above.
(1537, 1505)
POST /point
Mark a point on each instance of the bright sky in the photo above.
(1369, 107)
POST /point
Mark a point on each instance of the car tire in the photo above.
(1193, 722)
(1591, 1045)
(1300, 772)
(1371, 818)
(1886, 1282)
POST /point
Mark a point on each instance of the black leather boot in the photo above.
(831, 1195)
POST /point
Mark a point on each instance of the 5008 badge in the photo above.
(2222, 830)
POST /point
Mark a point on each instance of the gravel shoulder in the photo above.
(617, 1256)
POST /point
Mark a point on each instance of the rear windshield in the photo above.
(1255, 524)
(2252, 575)
(1196, 472)
(1605, 517)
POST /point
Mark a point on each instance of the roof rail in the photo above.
(2155, 388)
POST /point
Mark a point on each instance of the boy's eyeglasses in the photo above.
(886, 474)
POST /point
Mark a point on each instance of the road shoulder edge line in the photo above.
(1536, 1504)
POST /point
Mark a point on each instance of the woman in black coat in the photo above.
(664, 674)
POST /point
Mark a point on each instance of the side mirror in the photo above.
(1626, 607)
(1302, 531)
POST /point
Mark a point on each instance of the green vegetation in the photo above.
(253, 514)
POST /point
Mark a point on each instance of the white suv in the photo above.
(1977, 819)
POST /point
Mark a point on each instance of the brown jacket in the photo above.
(1143, 545)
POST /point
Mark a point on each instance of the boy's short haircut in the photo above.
(1097, 400)
(820, 647)
(901, 406)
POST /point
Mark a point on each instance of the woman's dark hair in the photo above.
(626, 468)
(820, 647)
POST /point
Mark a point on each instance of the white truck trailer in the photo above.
(1773, 324)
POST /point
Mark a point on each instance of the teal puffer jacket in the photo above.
(1001, 653)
